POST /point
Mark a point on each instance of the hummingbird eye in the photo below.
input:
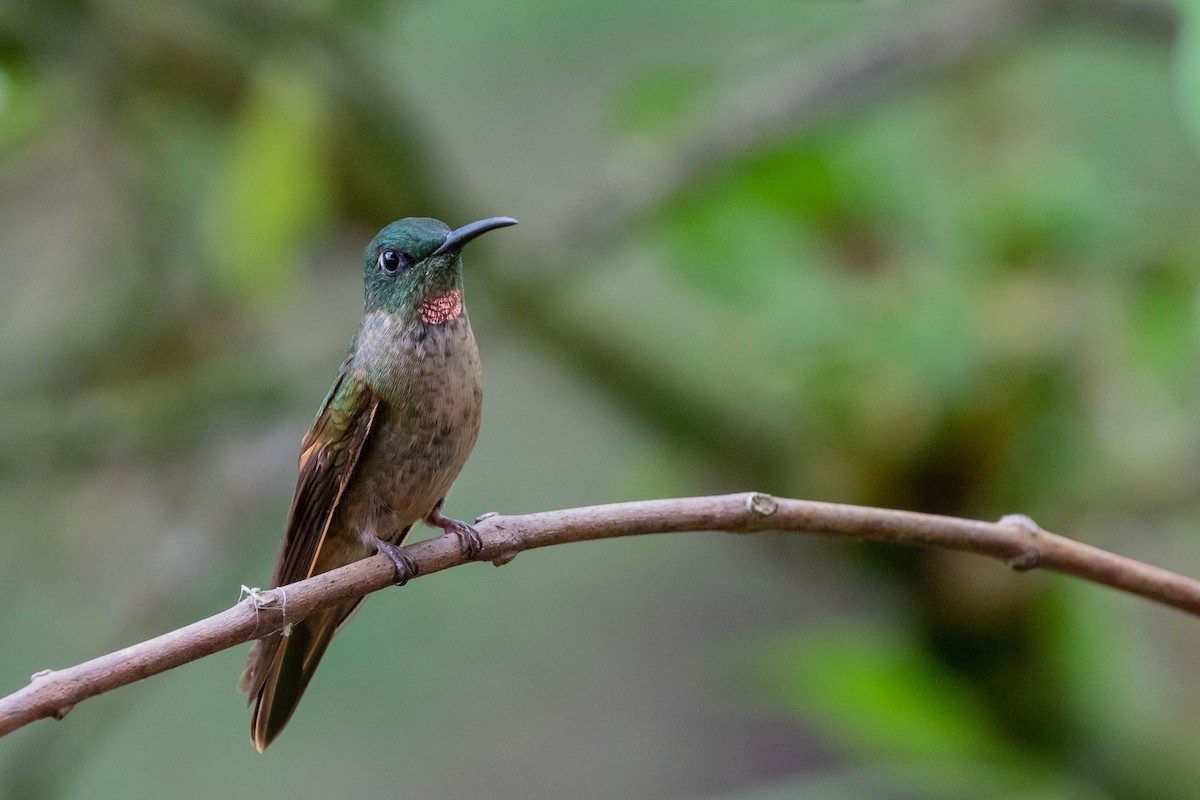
(392, 261)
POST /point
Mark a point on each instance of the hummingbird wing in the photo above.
(328, 456)
(281, 665)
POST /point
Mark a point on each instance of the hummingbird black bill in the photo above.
(466, 233)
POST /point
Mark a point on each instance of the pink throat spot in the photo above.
(437, 309)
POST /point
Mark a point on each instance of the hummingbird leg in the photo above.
(406, 565)
(468, 537)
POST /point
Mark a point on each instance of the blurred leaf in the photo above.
(879, 692)
(1163, 330)
(1112, 682)
(733, 249)
(273, 190)
(22, 104)
(778, 225)
(658, 103)
(820, 179)
(1036, 218)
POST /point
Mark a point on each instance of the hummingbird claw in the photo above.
(468, 537)
(406, 566)
(469, 540)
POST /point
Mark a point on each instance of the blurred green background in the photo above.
(924, 254)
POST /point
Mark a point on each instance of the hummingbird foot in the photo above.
(406, 566)
(468, 537)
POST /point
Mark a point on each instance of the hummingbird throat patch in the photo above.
(437, 309)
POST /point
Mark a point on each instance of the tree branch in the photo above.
(1015, 540)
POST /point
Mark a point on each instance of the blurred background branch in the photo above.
(1151, 16)
(902, 45)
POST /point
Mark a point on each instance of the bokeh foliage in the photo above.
(970, 291)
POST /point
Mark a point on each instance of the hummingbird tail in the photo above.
(280, 668)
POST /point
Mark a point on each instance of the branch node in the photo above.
(505, 552)
(40, 674)
(1031, 559)
(761, 505)
(1023, 521)
(254, 595)
(260, 600)
(503, 558)
(62, 711)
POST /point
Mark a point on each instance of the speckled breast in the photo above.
(431, 384)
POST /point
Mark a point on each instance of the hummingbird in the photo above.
(390, 438)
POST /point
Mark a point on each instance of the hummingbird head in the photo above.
(414, 266)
